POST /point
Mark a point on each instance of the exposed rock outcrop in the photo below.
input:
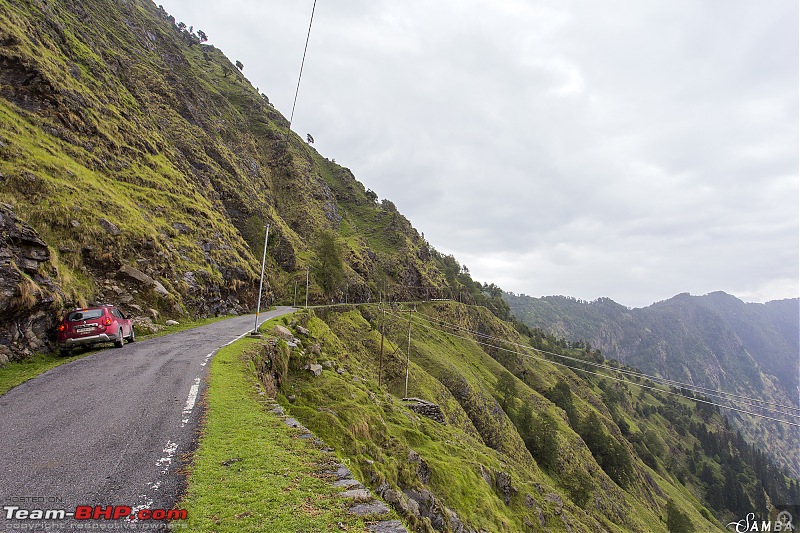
(137, 276)
(423, 504)
(504, 486)
(30, 295)
(426, 409)
(271, 363)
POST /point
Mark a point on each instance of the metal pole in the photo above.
(380, 364)
(261, 284)
(408, 352)
(306, 287)
(295, 294)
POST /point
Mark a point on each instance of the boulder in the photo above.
(342, 472)
(395, 498)
(357, 494)
(109, 227)
(348, 484)
(139, 277)
(387, 526)
(283, 333)
(372, 508)
(4, 355)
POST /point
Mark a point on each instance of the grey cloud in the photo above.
(624, 149)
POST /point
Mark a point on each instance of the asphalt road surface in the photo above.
(109, 430)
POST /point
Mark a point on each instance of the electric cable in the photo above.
(302, 64)
(694, 388)
(656, 380)
(613, 378)
(661, 381)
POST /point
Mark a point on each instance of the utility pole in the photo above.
(380, 364)
(295, 294)
(261, 284)
(408, 352)
(306, 287)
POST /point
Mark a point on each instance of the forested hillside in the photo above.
(714, 341)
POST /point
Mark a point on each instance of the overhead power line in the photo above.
(300, 76)
(663, 382)
(699, 400)
(728, 396)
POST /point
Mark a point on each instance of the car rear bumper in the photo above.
(83, 341)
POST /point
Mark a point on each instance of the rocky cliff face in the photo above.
(30, 296)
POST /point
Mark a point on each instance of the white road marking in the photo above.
(170, 448)
(166, 461)
(146, 503)
(192, 398)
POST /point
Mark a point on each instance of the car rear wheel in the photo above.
(132, 337)
(65, 352)
(120, 341)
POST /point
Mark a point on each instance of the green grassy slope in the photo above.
(626, 458)
(125, 141)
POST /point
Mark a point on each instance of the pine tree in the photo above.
(545, 441)
(507, 390)
(561, 395)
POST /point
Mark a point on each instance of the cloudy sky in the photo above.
(626, 149)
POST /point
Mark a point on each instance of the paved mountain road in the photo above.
(108, 429)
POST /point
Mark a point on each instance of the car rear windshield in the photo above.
(88, 314)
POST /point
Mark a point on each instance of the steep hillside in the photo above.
(714, 341)
(144, 167)
(497, 438)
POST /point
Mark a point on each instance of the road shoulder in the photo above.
(253, 472)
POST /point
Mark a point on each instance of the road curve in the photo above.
(110, 429)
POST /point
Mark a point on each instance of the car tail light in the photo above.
(107, 321)
(62, 327)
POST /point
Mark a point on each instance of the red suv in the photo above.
(85, 327)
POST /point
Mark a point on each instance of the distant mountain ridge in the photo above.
(715, 341)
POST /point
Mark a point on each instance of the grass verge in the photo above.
(18, 372)
(251, 472)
